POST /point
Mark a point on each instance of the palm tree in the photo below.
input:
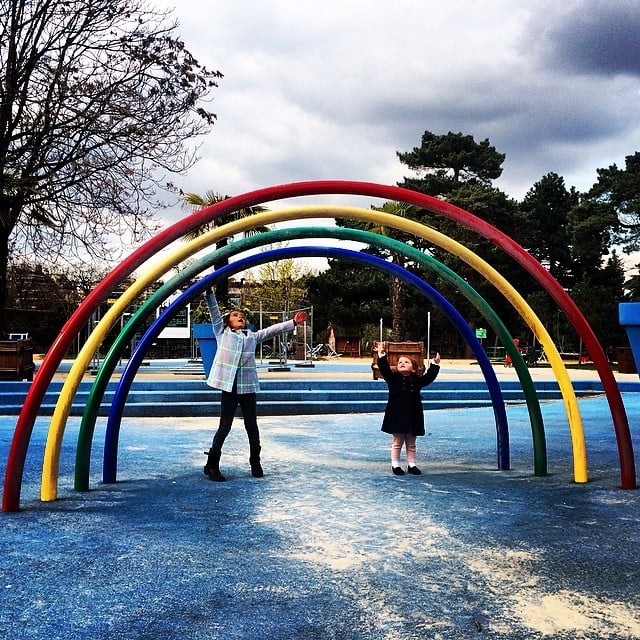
(194, 202)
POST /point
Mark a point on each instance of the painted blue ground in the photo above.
(329, 544)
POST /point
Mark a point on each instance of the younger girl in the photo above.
(403, 415)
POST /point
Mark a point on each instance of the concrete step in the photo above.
(183, 398)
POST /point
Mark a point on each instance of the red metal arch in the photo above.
(26, 419)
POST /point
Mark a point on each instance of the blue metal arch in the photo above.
(124, 385)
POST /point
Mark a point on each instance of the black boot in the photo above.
(254, 461)
(212, 468)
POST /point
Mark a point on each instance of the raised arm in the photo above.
(383, 363)
(214, 312)
(432, 372)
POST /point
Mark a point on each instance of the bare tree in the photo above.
(99, 101)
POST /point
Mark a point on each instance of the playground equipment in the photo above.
(24, 426)
(54, 440)
(57, 425)
(629, 316)
(277, 237)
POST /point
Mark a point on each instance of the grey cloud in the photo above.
(594, 37)
(518, 112)
(550, 84)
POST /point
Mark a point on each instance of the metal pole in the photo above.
(311, 335)
(304, 341)
(284, 347)
(260, 324)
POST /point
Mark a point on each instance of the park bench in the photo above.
(415, 350)
(16, 360)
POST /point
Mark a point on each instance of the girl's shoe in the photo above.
(397, 471)
(256, 469)
(414, 471)
(213, 474)
(212, 468)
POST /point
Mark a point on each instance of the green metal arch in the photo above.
(94, 399)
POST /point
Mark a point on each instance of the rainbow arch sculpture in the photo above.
(56, 430)
(26, 419)
(139, 318)
(117, 408)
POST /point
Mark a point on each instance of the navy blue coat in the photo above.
(403, 413)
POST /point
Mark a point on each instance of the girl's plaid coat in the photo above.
(236, 352)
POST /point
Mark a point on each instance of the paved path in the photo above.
(329, 544)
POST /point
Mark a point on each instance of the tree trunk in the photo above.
(398, 322)
(398, 303)
(10, 210)
(4, 259)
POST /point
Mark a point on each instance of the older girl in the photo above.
(234, 373)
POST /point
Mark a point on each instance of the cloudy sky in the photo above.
(332, 90)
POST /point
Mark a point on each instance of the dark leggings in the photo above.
(229, 401)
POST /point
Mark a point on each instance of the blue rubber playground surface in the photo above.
(328, 544)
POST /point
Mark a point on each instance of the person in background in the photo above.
(507, 357)
(403, 415)
(234, 373)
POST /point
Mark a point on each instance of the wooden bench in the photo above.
(16, 360)
(415, 351)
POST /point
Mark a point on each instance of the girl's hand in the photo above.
(300, 317)
(436, 359)
(380, 349)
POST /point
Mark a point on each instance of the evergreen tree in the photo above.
(349, 296)
(598, 295)
(544, 228)
(444, 161)
(460, 170)
(620, 189)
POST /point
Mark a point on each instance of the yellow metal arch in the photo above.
(50, 469)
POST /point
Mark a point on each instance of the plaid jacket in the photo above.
(236, 352)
